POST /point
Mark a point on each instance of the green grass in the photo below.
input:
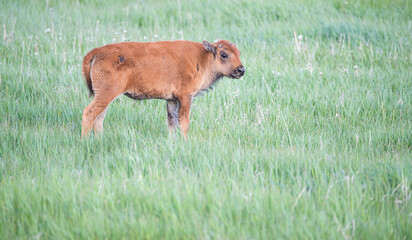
(314, 142)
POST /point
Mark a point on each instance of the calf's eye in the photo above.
(224, 56)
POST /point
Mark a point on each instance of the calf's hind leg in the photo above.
(98, 123)
(93, 114)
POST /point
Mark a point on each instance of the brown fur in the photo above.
(175, 71)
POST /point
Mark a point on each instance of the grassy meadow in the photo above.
(314, 142)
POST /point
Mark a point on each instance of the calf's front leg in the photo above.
(172, 107)
(185, 104)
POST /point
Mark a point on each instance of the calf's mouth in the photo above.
(236, 76)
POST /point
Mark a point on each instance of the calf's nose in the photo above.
(240, 70)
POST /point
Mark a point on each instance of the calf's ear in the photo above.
(209, 47)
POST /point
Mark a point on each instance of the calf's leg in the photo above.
(93, 114)
(98, 123)
(184, 113)
(172, 107)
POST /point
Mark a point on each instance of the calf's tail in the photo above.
(87, 63)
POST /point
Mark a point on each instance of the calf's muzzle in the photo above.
(239, 72)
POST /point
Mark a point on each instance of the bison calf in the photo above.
(175, 71)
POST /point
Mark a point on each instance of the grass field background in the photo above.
(314, 142)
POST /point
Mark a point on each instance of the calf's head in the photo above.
(226, 58)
